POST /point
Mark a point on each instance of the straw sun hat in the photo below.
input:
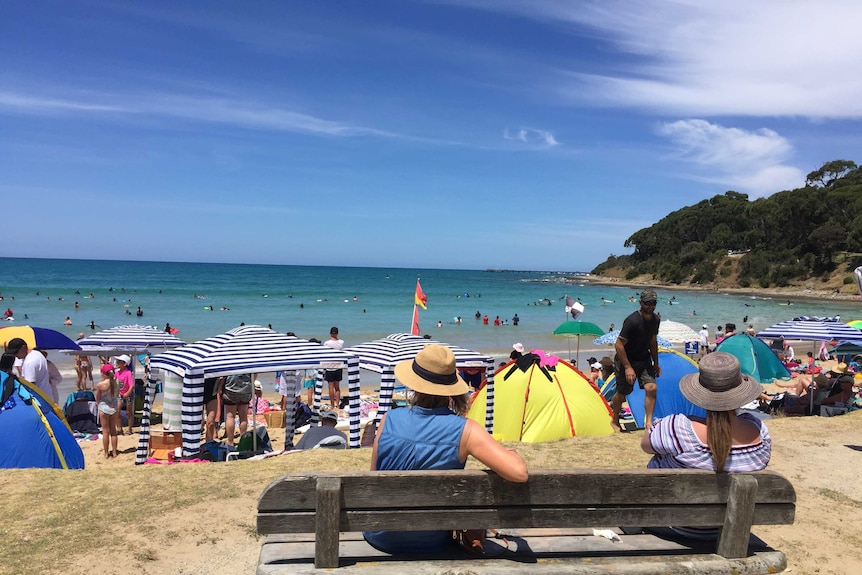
(719, 385)
(432, 372)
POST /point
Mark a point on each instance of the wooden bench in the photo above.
(543, 520)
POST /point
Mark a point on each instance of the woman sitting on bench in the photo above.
(432, 433)
(723, 441)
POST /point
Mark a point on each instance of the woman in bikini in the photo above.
(83, 369)
(107, 397)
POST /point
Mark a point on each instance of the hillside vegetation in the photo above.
(813, 232)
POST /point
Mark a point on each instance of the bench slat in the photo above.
(509, 517)
(549, 487)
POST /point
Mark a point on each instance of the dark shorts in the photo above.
(226, 401)
(644, 370)
(333, 375)
(210, 389)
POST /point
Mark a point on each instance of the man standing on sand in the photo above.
(637, 357)
(34, 366)
(333, 376)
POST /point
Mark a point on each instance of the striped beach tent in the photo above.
(381, 355)
(813, 330)
(246, 349)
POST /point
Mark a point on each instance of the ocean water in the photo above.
(308, 300)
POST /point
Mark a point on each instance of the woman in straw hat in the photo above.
(432, 433)
(724, 441)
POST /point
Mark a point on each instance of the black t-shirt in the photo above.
(637, 333)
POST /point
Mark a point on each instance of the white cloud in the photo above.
(728, 57)
(747, 161)
(531, 136)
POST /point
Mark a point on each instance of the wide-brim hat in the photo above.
(841, 368)
(433, 372)
(719, 385)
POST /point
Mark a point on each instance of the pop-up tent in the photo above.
(33, 432)
(669, 399)
(543, 398)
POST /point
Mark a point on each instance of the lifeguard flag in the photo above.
(414, 327)
(420, 298)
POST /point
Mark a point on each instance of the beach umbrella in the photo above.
(857, 323)
(243, 350)
(844, 350)
(37, 337)
(576, 329)
(813, 330)
(137, 338)
(381, 356)
(676, 332)
(755, 357)
(610, 338)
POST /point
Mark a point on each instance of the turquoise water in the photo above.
(308, 300)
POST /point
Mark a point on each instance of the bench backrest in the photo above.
(327, 503)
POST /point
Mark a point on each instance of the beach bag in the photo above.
(246, 442)
(238, 389)
(302, 415)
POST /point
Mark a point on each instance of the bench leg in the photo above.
(327, 522)
(735, 533)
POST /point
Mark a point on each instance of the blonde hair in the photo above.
(113, 379)
(457, 403)
(719, 437)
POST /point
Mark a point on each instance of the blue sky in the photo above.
(442, 134)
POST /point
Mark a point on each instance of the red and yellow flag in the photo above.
(420, 298)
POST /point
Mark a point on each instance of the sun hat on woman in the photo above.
(432, 372)
(107, 368)
(719, 385)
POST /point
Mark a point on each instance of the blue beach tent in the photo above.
(33, 432)
(670, 399)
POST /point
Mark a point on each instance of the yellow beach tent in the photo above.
(538, 400)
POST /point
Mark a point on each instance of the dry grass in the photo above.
(200, 518)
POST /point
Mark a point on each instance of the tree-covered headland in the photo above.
(791, 236)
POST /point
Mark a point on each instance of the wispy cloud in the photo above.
(229, 111)
(735, 57)
(531, 137)
(748, 161)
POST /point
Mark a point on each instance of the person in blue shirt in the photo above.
(432, 433)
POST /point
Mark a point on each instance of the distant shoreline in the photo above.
(788, 293)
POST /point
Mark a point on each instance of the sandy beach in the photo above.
(199, 518)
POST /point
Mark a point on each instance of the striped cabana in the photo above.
(381, 355)
(246, 349)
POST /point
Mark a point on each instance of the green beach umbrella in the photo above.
(575, 329)
(857, 323)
